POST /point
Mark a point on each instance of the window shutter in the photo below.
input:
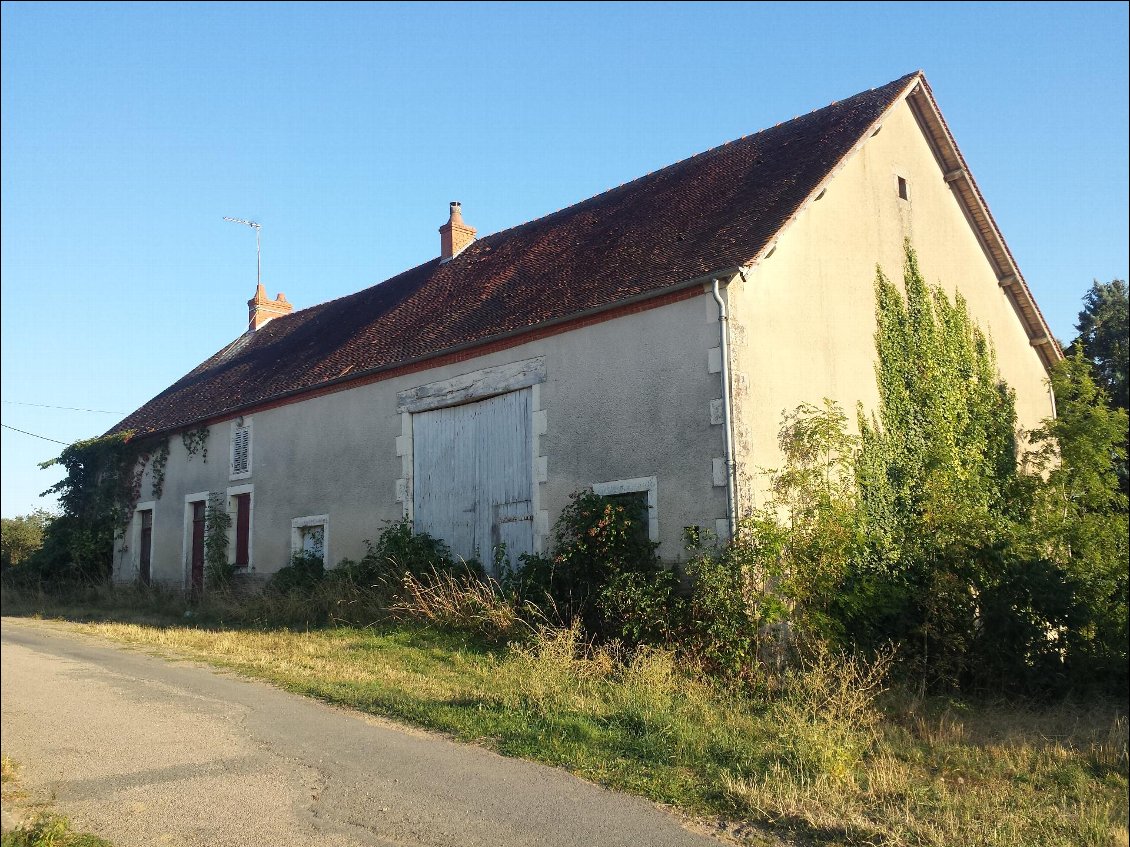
(241, 451)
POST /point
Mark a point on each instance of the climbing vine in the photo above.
(941, 497)
(217, 524)
(97, 496)
(196, 441)
(943, 445)
(157, 468)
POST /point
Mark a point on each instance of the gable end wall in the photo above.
(804, 319)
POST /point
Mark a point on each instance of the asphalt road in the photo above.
(144, 750)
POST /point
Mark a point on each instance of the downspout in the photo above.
(724, 345)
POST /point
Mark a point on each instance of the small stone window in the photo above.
(310, 536)
(904, 188)
(639, 497)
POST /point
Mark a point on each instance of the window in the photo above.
(312, 539)
(311, 536)
(241, 448)
(145, 552)
(634, 504)
(904, 188)
(639, 496)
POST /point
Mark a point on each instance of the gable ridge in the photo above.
(696, 157)
(958, 175)
(632, 245)
(579, 206)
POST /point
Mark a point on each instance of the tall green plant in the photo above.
(937, 477)
(217, 523)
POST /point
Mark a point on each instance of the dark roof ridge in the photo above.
(720, 208)
(603, 194)
(305, 310)
(904, 80)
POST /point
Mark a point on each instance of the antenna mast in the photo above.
(258, 260)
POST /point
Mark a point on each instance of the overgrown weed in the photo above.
(467, 602)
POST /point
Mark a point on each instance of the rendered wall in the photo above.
(623, 399)
(804, 321)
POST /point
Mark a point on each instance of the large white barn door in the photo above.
(473, 476)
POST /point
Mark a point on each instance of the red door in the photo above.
(197, 560)
(242, 530)
(146, 545)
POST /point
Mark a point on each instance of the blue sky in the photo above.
(129, 131)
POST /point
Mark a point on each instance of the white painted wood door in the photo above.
(472, 476)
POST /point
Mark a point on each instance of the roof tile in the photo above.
(713, 211)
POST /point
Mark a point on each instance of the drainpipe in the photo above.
(724, 333)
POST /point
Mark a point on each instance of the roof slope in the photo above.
(714, 211)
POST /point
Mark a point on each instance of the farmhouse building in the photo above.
(643, 342)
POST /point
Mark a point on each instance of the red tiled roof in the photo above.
(714, 211)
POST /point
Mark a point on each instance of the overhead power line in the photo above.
(35, 435)
(68, 408)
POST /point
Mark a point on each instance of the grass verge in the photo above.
(831, 761)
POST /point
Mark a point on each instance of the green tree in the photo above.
(1103, 326)
(1079, 515)
(22, 536)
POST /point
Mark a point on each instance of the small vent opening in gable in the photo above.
(904, 188)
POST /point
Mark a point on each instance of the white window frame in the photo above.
(232, 492)
(135, 536)
(235, 428)
(186, 541)
(640, 485)
(298, 524)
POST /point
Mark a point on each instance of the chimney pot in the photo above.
(261, 309)
(455, 235)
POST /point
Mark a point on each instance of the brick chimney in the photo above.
(454, 236)
(260, 309)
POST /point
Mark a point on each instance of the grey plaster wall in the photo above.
(625, 398)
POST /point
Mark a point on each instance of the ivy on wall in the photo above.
(196, 441)
(217, 525)
(157, 469)
(97, 495)
(942, 446)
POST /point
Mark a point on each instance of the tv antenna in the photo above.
(258, 260)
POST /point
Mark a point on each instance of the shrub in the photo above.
(644, 607)
(397, 551)
(732, 602)
(301, 576)
(597, 543)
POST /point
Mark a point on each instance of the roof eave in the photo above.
(921, 100)
(343, 382)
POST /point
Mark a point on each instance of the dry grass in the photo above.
(832, 759)
(999, 777)
(467, 603)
